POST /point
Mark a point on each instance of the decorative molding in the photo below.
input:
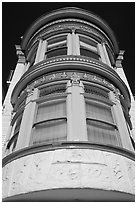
(68, 75)
(75, 78)
(74, 62)
(75, 23)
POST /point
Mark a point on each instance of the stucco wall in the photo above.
(69, 168)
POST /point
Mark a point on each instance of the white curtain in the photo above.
(51, 110)
(98, 111)
(98, 131)
(49, 132)
(54, 130)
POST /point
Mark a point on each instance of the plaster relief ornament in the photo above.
(75, 79)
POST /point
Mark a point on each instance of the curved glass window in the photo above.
(56, 52)
(56, 46)
(88, 48)
(88, 53)
(13, 141)
(100, 124)
(50, 124)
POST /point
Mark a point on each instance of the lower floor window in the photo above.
(51, 122)
(100, 132)
(12, 143)
(101, 127)
(50, 131)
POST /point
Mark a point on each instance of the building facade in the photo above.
(68, 115)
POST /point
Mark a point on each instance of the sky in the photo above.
(18, 16)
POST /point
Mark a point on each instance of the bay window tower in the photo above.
(68, 126)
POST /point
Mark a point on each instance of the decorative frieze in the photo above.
(68, 75)
(65, 24)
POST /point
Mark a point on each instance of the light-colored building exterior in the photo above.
(67, 130)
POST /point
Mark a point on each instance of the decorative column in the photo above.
(38, 51)
(76, 114)
(27, 120)
(106, 54)
(42, 48)
(69, 44)
(120, 121)
(76, 45)
(101, 53)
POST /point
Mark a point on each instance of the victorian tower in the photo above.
(68, 116)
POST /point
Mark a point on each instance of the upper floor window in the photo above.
(56, 46)
(88, 48)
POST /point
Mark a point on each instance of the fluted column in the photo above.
(76, 114)
(120, 121)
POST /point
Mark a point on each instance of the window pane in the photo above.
(12, 143)
(96, 111)
(51, 131)
(88, 53)
(50, 111)
(18, 123)
(56, 52)
(88, 41)
(57, 39)
(99, 132)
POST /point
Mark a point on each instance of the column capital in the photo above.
(75, 79)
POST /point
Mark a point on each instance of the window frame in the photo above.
(52, 100)
(51, 47)
(113, 125)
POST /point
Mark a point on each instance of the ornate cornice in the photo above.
(69, 13)
(70, 63)
(65, 24)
